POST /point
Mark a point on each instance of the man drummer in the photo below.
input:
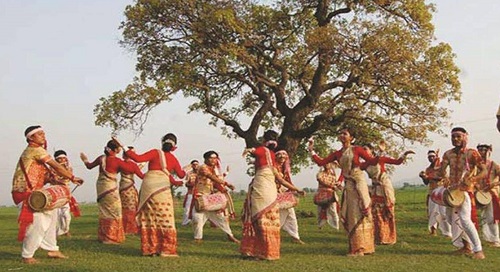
(36, 229)
(465, 169)
(64, 213)
(190, 181)
(435, 212)
(490, 213)
(206, 180)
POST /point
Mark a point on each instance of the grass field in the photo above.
(324, 249)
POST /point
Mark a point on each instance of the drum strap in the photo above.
(230, 206)
(28, 182)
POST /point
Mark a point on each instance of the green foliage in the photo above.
(302, 67)
(324, 250)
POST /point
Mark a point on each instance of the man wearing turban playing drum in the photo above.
(465, 169)
(206, 181)
(488, 187)
(36, 229)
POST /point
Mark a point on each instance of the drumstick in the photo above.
(74, 188)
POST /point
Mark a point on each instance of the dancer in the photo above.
(188, 198)
(206, 181)
(436, 213)
(155, 212)
(356, 213)
(36, 229)
(329, 184)
(382, 195)
(463, 164)
(490, 214)
(261, 226)
(64, 213)
(288, 218)
(110, 230)
(128, 195)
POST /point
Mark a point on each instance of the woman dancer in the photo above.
(155, 212)
(261, 221)
(383, 198)
(108, 197)
(355, 205)
(129, 195)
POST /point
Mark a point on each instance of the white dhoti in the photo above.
(41, 234)
(63, 219)
(462, 226)
(438, 218)
(488, 225)
(332, 216)
(187, 208)
(288, 222)
(217, 217)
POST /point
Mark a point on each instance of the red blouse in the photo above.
(137, 171)
(382, 161)
(264, 157)
(154, 162)
(358, 152)
(113, 165)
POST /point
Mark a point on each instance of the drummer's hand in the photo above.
(230, 186)
(84, 158)
(422, 174)
(301, 192)
(78, 181)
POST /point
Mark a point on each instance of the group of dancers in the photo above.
(366, 212)
(472, 172)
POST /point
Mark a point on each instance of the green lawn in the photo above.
(324, 249)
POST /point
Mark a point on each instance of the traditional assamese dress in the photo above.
(36, 229)
(205, 185)
(155, 213)
(490, 214)
(463, 227)
(383, 201)
(129, 197)
(108, 198)
(328, 214)
(355, 204)
(261, 221)
(288, 217)
(435, 212)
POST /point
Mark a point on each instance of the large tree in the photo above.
(305, 67)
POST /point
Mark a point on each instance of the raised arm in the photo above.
(90, 165)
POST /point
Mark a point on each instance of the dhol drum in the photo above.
(211, 202)
(483, 197)
(286, 200)
(49, 198)
(324, 197)
(446, 197)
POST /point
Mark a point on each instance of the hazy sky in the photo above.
(57, 58)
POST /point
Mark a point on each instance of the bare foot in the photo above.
(56, 255)
(463, 250)
(110, 243)
(478, 255)
(298, 241)
(232, 239)
(356, 254)
(166, 255)
(30, 261)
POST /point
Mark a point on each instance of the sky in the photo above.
(57, 58)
